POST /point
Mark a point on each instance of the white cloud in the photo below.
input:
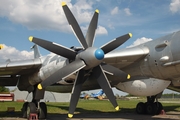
(127, 11)
(45, 14)
(140, 41)
(174, 6)
(83, 11)
(101, 30)
(12, 53)
(115, 11)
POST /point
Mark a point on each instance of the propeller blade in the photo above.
(1, 46)
(62, 73)
(108, 47)
(104, 84)
(76, 92)
(74, 25)
(54, 47)
(115, 72)
(92, 29)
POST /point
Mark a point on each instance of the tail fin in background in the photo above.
(100, 92)
(36, 51)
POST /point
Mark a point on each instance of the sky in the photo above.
(146, 20)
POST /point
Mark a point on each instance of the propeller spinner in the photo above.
(90, 58)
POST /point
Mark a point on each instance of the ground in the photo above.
(173, 115)
(95, 109)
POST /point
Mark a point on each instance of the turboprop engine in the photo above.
(144, 87)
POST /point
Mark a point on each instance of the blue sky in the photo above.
(146, 20)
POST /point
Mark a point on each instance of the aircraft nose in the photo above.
(99, 54)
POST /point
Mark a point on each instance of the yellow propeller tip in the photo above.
(97, 10)
(130, 34)
(70, 115)
(1, 46)
(31, 38)
(39, 86)
(63, 3)
(117, 108)
(128, 76)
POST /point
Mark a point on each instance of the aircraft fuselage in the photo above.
(159, 60)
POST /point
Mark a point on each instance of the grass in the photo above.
(84, 106)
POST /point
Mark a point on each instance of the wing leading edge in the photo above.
(10, 70)
(125, 57)
(19, 67)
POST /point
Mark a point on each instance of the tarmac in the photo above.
(172, 115)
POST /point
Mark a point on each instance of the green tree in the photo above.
(3, 89)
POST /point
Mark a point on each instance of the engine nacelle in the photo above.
(24, 84)
(144, 87)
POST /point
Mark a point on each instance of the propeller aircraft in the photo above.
(143, 70)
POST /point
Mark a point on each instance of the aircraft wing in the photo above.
(19, 67)
(125, 57)
(10, 70)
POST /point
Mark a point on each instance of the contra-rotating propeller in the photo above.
(89, 59)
